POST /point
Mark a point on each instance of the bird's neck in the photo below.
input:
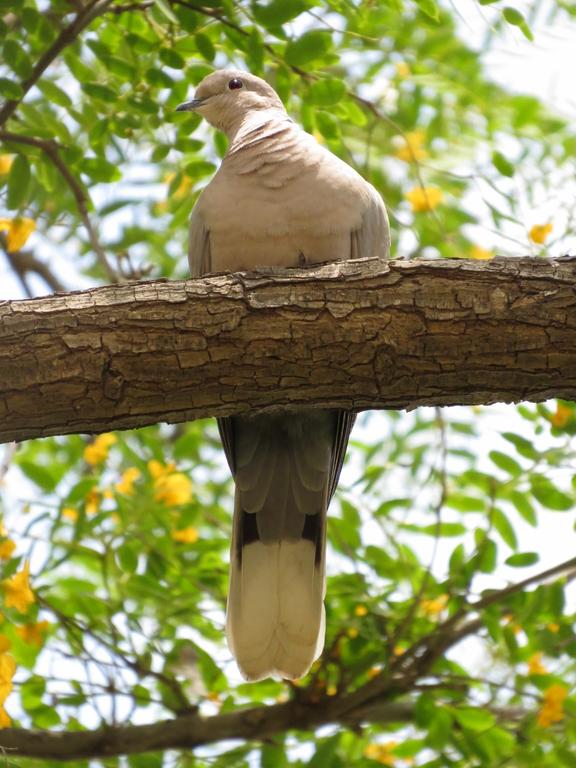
(256, 128)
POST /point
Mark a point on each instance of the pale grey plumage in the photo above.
(278, 199)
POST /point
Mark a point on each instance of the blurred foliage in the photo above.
(437, 510)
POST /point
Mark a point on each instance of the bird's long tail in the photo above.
(284, 471)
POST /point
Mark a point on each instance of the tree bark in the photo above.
(358, 335)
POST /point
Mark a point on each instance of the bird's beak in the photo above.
(190, 106)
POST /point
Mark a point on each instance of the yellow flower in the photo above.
(535, 666)
(360, 610)
(552, 710)
(561, 417)
(70, 514)
(403, 70)
(424, 198)
(129, 477)
(5, 164)
(331, 690)
(7, 548)
(539, 233)
(352, 632)
(17, 232)
(157, 469)
(92, 501)
(34, 634)
(7, 670)
(434, 607)
(476, 252)
(553, 627)
(17, 590)
(374, 672)
(412, 150)
(5, 644)
(185, 535)
(96, 452)
(183, 187)
(5, 721)
(173, 490)
(381, 753)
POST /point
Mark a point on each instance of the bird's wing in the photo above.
(199, 256)
(372, 238)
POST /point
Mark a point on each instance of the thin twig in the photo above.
(51, 149)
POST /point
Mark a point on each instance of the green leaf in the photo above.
(278, 12)
(171, 58)
(515, 18)
(327, 92)
(100, 170)
(18, 183)
(429, 7)
(205, 46)
(10, 89)
(100, 92)
(487, 556)
(503, 165)
(522, 559)
(127, 556)
(504, 528)
(549, 496)
(524, 507)
(311, 46)
(54, 93)
(506, 463)
(522, 445)
(474, 719)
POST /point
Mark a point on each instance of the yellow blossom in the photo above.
(17, 232)
(553, 627)
(360, 610)
(403, 70)
(129, 477)
(185, 535)
(7, 548)
(92, 501)
(552, 710)
(411, 150)
(381, 753)
(5, 644)
(17, 590)
(5, 721)
(183, 187)
(374, 672)
(173, 489)
(157, 469)
(331, 690)
(7, 670)
(535, 666)
(539, 232)
(561, 417)
(5, 164)
(424, 198)
(433, 607)
(481, 254)
(34, 634)
(352, 632)
(96, 452)
(398, 650)
(70, 514)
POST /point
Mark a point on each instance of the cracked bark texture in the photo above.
(356, 335)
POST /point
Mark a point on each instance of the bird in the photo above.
(279, 198)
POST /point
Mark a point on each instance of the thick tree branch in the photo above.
(355, 335)
(193, 731)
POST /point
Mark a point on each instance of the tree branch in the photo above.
(67, 36)
(193, 731)
(358, 335)
(51, 149)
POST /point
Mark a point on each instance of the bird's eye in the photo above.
(235, 83)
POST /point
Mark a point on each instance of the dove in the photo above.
(279, 198)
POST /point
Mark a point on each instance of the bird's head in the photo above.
(225, 98)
